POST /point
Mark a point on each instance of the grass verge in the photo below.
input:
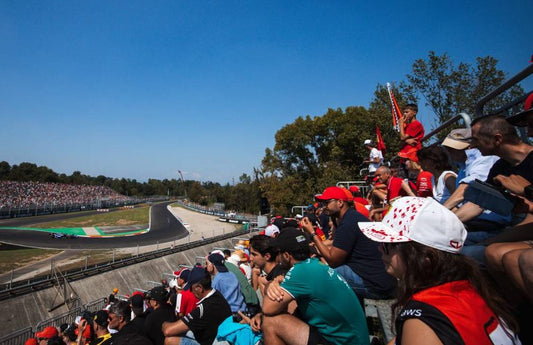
(15, 257)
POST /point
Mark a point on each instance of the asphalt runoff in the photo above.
(164, 227)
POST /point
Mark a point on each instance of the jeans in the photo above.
(188, 339)
(356, 282)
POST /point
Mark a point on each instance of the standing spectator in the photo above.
(411, 133)
(138, 313)
(161, 312)
(103, 337)
(329, 312)
(46, 334)
(201, 325)
(375, 158)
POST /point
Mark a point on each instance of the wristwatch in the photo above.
(528, 192)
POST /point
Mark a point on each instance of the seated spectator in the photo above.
(395, 188)
(119, 319)
(353, 256)
(272, 230)
(161, 312)
(46, 334)
(139, 313)
(185, 299)
(201, 325)
(328, 310)
(423, 186)
(225, 282)
(442, 296)
(435, 160)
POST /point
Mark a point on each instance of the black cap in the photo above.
(197, 274)
(159, 293)
(218, 261)
(100, 318)
(291, 239)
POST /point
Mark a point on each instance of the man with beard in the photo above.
(328, 311)
(353, 255)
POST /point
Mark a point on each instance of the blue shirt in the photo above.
(228, 285)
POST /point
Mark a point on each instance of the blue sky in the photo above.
(142, 89)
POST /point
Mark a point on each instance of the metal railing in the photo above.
(56, 321)
(17, 337)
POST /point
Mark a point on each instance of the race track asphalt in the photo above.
(164, 227)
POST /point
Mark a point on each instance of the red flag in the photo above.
(380, 144)
(396, 113)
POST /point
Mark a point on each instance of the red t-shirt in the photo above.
(185, 302)
(360, 200)
(394, 189)
(361, 209)
(414, 130)
(424, 185)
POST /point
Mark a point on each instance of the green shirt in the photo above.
(326, 302)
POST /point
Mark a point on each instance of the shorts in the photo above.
(315, 338)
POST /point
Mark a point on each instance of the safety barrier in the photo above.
(17, 337)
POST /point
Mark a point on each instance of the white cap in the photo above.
(367, 142)
(422, 220)
(271, 230)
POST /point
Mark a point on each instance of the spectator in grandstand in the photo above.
(201, 325)
(248, 292)
(31, 341)
(493, 135)
(423, 186)
(45, 334)
(103, 337)
(138, 313)
(411, 133)
(225, 282)
(435, 160)
(357, 195)
(353, 256)
(113, 296)
(442, 296)
(119, 319)
(161, 312)
(395, 188)
(272, 230)
(324, 317)
(375, 158)
(57, 340)
(185, 299)
(263, 254)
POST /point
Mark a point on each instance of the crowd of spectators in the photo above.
(16, 195)
(447, 236)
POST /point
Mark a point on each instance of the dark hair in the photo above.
(300, 254)
(434, 159)
(411, 106)
(428, 267)
(70, 332)
(205, 282)
(226, 252)
(56, 340)
(264, 244)
(497, 124)
(121, 308)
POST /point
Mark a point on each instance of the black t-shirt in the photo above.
(276, 271)
(154, 321)
(204, 320)
(502, 167)
(364, 257)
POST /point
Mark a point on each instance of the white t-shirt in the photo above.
(375, 153)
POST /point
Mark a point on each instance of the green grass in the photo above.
(14, 258)
(135, 216)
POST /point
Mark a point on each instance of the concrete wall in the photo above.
(30, 309)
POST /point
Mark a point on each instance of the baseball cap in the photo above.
(271, 230)
(137, 301)
(291, 239)
(410, 155)
(158, 293)
(31, 341)
(458, 139)
(353, 189)
(218, 261)
(47, 333)
(197, 274)
(184, 274)
(421, 220)
(100, 318)
(333, 193)
(520, 119)
(367, 142)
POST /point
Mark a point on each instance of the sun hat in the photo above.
(421, 220)
(333, 193)
(458, 139)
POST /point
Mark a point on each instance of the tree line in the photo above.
(314, 152)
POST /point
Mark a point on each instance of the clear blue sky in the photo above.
(142, 89)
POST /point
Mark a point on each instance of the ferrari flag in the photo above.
(380, 144)
(396, 113)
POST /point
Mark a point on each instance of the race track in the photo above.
(164, 227)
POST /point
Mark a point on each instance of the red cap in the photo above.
(47, 333)
(411, 155)
(31, 341)
(354, 189)
(334, 193)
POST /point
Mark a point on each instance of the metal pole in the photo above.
(86, 261)
(137, 250)
(113, 255)
(11, 280)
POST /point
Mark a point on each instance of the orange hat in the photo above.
(411, 155)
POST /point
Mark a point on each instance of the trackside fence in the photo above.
(17, 337)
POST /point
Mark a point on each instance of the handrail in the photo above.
(464, 116)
